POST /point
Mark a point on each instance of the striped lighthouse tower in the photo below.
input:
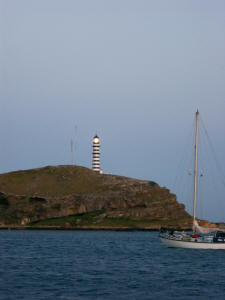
(96, 154)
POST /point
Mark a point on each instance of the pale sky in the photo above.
(132, 71)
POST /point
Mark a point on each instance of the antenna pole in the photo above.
(75, 145)
(71, 149)
(196, 166)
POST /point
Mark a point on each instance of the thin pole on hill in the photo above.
(71, 150)
(75, 143)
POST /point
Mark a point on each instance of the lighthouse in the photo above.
(96, 154)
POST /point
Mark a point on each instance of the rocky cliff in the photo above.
(76, 197)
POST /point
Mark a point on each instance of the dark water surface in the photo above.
(105, 265)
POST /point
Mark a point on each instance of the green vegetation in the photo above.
(4, 202)
(98, 218)
(52, 181)
(57, 181)
(81, 219)
(127, 222)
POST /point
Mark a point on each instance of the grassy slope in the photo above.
(51, 181)
(61, 181)
(92, 218)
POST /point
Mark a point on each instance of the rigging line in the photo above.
(183, 160)
(201, 180)
(201, 206)
(207, 185)
(185, 194)
(213, 152)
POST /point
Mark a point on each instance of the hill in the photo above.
(77, 197)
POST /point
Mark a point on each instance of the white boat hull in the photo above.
(192, 245)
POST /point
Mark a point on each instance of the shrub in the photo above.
(4, 201)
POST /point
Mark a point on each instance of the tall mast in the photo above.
(196, 166)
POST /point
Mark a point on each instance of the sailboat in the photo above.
(200, 237)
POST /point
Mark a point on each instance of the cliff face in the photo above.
(53, 192)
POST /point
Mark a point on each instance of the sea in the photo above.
(105, 265)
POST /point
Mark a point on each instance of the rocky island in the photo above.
(74, 197)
